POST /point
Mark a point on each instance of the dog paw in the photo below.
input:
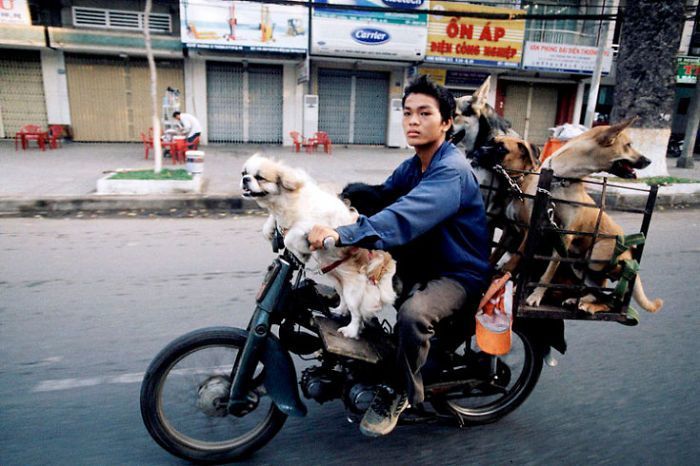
(339, 311)
(349, 331)
(592, 308)
(571, 302)
(536, 297)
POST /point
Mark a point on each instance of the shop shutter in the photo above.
(543, 110)
(228, 84)
(543, 114)
(515, 106)
(110, 98)
(21, 91)
(265, 104)
(225, 102)
(371, 103)
(334, 94)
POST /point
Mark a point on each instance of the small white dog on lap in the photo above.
(362, 278)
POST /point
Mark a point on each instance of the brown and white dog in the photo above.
(362, 278)
(600, 149)
(517, 157)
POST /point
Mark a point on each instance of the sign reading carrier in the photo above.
(370, 34)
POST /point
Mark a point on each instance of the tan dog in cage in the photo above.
(601, 149)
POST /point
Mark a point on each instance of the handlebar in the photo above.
(328, 242)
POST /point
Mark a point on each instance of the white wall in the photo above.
(53, 70)
(196, 92)
(292, 103)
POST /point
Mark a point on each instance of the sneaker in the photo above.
(383, 413)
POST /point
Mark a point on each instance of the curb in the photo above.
(61, 206)
(110, 205)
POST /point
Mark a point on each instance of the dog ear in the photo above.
(607, 137)
(481, 95)
(529, 151)
(291, 179)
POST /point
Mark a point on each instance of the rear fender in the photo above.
(545, 333)
(281, 378)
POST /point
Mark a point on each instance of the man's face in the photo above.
(422, 122)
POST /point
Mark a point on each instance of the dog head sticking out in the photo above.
(478, 120)
(623, 159)
(468, 111)
(600, 149)
(510, 152)
(263, 179)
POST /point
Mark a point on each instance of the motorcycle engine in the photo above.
(359, 397)
(321, 384)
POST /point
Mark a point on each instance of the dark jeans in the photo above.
(416, 321)
(193, 137)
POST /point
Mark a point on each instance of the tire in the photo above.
(524, 364)
(181, 394)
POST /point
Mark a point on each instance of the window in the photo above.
(119, 19)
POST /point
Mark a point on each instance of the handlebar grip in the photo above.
(328, 242)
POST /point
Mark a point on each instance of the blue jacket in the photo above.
(443, 209)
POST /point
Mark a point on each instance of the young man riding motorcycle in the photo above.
(439, 204)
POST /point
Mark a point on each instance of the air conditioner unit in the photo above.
(310, 115)
(395, 136)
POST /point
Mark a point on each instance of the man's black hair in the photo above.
(423, 85)
(175, 114)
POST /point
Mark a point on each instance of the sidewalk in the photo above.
(63, 181)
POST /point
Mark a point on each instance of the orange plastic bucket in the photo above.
(551, 146)
(493, 324)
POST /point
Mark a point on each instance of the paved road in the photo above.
(85, 304)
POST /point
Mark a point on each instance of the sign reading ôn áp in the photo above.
(474, 41)
(564, 58)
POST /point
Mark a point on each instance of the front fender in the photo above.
(281, 378)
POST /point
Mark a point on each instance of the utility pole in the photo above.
(595, 79)
(691, 130)
(157, 148)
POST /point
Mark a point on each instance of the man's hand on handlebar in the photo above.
(319, 233)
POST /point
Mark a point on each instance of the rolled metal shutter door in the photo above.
(265, 104)
(371, 104)
(22, 98)
(225, 102)
(334, 95)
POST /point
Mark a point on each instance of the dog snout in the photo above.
(642, 162)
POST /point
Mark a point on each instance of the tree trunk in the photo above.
(645, 78)
(157, 148)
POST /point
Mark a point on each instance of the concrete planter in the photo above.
(105, 185)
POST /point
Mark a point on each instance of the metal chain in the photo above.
(513, 186)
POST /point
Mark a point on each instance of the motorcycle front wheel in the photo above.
(184, 396)
(491, 398)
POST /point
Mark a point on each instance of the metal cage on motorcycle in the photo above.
(541, 226)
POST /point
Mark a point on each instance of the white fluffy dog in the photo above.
(362, 278)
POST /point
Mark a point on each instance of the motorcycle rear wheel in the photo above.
(480, 405)
(184, 395)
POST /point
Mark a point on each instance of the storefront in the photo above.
(22, 99)
(110, 96)
(244, 102)
(242, 60)
(353, 105)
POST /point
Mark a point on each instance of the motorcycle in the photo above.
(218, 394)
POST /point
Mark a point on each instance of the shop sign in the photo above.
(14, 12)
(475, 41)
(370, 34)
(564, 58)
(244, 26)
(437, 75)
(687, 70)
